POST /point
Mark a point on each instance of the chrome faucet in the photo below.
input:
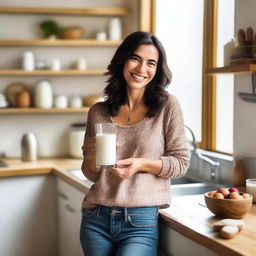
(214, 165)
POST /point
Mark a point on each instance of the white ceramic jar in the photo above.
(43, 95)
(81, 64)
(115, 29)
(61, 101)
(76, 140)
(75, 101)
(55, 65)
(101, 36)
(28, 61)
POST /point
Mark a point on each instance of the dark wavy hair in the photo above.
(155, 95)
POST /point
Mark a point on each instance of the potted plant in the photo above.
(50, 28)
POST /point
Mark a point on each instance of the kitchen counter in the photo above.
(55, 166)
(187, 214)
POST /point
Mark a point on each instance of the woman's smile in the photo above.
(137, 77)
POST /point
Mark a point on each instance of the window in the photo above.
(179, 26)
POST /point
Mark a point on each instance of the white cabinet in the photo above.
(175, 244)
(28, 216)
(69, 219)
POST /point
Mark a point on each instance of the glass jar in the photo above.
(251, 188)
(76, 140)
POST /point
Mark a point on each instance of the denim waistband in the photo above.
(126, 210)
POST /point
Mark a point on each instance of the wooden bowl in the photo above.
(228, 208)
(71, 33)
(90, 100)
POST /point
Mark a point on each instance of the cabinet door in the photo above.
(69, 219)
(174, 243)
(28, 216)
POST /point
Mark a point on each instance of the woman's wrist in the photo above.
(153, 166)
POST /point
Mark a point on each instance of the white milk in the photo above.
(105, 149)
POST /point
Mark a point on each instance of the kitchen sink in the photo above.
(194, 188)
(77, 173)
(180, 186)
(183, 180)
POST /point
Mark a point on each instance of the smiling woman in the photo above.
(120, 212)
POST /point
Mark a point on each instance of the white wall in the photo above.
(52, 129)
(245, 113)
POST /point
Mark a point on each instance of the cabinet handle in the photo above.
(62, 195)
(69, 208)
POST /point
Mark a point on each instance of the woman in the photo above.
(120, 212)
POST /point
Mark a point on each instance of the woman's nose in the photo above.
(141, 67)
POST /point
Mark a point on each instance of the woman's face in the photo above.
(141, 67)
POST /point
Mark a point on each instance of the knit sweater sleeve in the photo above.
(176, 157)
(89, 148)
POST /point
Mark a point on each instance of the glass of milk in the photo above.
(105, 145)
(251, 188)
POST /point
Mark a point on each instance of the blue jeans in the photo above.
(119, 231)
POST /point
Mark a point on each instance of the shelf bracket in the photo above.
(250, 97)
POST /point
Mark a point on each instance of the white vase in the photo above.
(28, 61)
(115, 29)
(43, 94)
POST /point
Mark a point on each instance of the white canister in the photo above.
(81, 64)
(43, 95)
(101, 36)
(75, 101)
(76, 140)
(61, 101)
(115, 29)
(28, 61)
(55, 65)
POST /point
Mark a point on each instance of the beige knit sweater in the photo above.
(160, 137)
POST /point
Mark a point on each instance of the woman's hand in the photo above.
(127, 167)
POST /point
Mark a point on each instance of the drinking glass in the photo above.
(105, 145)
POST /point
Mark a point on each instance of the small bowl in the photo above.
(228, 208)
(71, 33)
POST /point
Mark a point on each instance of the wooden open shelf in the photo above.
(59, 42)
(71, 72)
(108, 11)
(235, 69)
(5, 111)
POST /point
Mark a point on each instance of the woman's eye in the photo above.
(152, 64)
(134, 58)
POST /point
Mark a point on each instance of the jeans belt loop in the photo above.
(125, 214)
(98, 210)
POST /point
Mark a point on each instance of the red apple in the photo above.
(233, 190)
